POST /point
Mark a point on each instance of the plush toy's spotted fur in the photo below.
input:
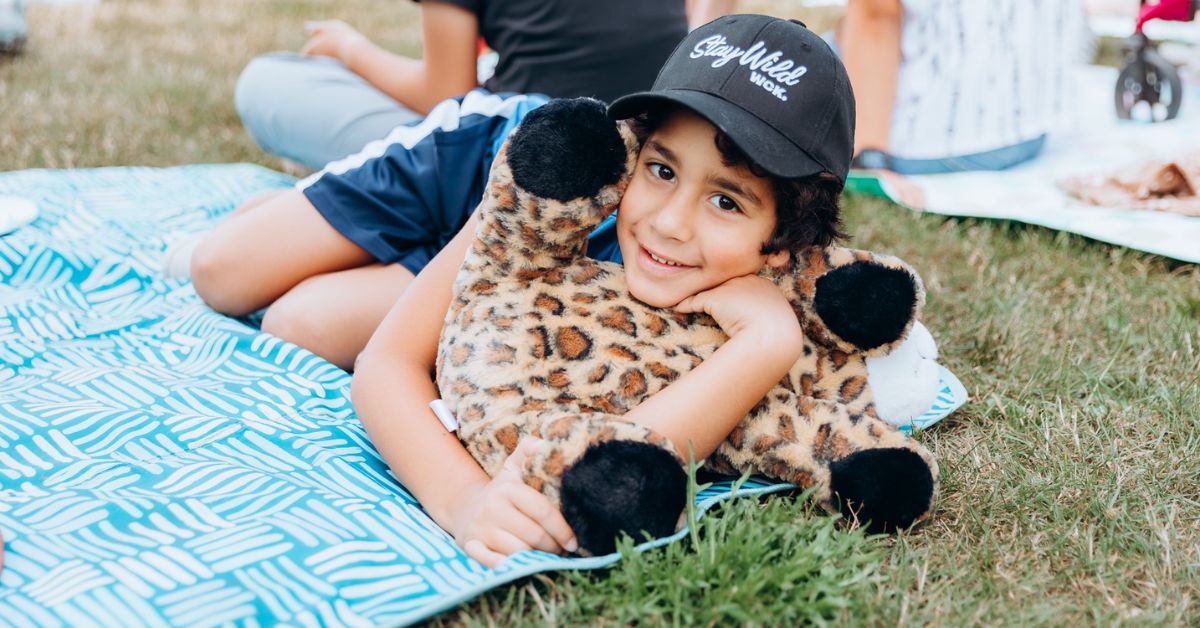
(540, 340)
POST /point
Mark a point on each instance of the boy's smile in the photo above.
(688, 222)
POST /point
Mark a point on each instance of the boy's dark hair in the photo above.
(807, 212)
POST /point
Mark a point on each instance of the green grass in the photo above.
(793, 567)
(1071, 481)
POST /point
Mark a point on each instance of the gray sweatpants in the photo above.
(312, 110)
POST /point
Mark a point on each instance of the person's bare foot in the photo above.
(901, 189)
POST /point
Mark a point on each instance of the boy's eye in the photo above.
(662, 172)
(725, 203)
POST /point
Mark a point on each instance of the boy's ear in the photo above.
(779, 259)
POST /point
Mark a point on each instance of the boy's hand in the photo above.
(331, 38)
(749, 303)
(506, 516)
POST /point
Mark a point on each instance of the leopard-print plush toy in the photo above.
(540, 340)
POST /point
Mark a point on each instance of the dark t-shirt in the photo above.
(565, 48)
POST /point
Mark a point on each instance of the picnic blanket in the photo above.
(161, 464)
(1100, 144)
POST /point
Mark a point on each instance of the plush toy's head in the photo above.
(540, 340)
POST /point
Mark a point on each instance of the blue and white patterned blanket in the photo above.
(161, 464)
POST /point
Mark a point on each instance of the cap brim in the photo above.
(769, 148)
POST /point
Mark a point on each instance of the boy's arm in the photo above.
(392, 388)
(447, 67)
(705, 404)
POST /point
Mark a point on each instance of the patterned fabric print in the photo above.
(164, 465)
(161, 464)
(537, 332)
(518, 309)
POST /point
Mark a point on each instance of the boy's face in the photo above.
(688, 222)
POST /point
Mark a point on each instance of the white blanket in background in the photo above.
(1101, 143)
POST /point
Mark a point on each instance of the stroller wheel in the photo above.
(1148, 89)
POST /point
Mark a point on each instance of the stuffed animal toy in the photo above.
(541, 341)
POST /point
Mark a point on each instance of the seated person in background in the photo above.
(948, 86)
(700, 12)
(344, 91)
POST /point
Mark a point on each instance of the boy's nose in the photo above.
(674, 219)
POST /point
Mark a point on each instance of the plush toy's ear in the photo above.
(559, 175)
(851, 300)
(566, 149)
(868, 304)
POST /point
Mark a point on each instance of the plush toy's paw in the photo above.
(867, 304)
(567, 149)
(608, 476)
(887, 489)
(905, 382)
(622, 487)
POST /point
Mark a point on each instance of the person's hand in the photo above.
(331, 38)
(749, 302)
(506, 516)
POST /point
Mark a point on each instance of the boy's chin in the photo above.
(654, 298)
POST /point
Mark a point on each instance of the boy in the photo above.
(748, 135)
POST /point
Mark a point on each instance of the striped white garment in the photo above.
(976, 75)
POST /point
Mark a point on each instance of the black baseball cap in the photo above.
(771, 85)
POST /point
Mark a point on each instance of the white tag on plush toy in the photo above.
(443, 413)
(905, 381)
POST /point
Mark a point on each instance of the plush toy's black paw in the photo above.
(566, 149)
(888, 489)
(866, 304)
(622, 487)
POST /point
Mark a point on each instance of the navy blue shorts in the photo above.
(404, 197)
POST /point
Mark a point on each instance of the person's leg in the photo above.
(334, 314)
(312, 110)
(177, 258)
(255, 201)
(989, 160)
(1004, 157)
(255, 256)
